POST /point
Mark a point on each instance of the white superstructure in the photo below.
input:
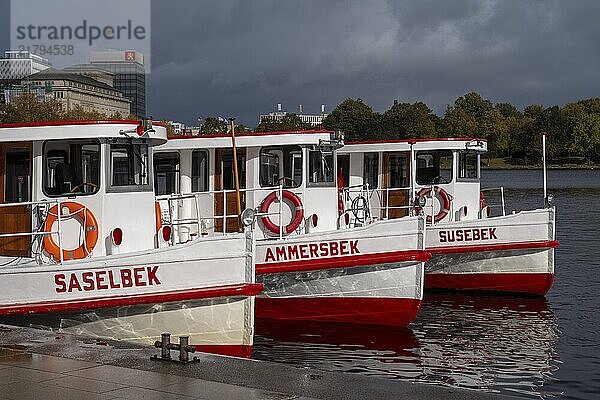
(81, 240)
(475, 243)
(313, 264)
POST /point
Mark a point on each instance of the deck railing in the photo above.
(200, 217)
(376, 203)
(500, 193)
(363, 202)
(40, 209)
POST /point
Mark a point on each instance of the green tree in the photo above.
(533, 111)
(213, 125)
(289, 122)
(405, 120)
(586, 136)
(473, 104)
(492, 126)
(457, 122)
(78, 113)
(355, 118)
(26, 108)
(570, 114)
(241, 128)
(592, 106)
(507, 110)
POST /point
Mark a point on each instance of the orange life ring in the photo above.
(444, 200)
(90, 227)
(157, 216)
(294, 223)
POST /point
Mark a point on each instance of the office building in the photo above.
(19, 64)
(129, 75)
(72, 90)
(13, 67)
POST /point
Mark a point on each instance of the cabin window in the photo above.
(434, 167)
(71, 167)
(166, 173)
(129, 165)
(199, 171)
(17, 175)
(281, 164)
(228, 182)
(468, 166)
(397, 171)
(321, 168)
(371, 170)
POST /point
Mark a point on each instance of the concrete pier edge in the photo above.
(280, 380)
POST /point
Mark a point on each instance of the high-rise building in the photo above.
(19, 64)
(129, 75)
(13, 67)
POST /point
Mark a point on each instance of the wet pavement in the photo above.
(37, 364)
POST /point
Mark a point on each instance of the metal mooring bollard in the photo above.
(166, 346)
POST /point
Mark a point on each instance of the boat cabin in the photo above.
(72, 190)
(392, 179)
(195, 182)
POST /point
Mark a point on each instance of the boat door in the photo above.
(225, 180)
(396, 184)
(15, 187)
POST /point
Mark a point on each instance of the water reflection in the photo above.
(488, 342)
(492, 343)
(366, 349)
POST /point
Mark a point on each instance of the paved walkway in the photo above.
(40, 365)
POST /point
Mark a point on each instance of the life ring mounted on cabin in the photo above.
(296, 220)
(443, 197)
(88, 222)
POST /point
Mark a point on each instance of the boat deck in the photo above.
(37, 364)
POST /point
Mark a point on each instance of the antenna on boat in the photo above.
(546, 200)
(235, 173)
(412, 168)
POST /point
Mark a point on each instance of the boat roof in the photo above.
(248, 139)
(40, 131)
(473, 144)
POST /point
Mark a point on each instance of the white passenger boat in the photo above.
(312, 265)
(472, 249)
(82, 249)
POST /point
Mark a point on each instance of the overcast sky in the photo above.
(240, 58)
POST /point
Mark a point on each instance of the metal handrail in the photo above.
(45, 203)
(502, 201)
(197, 220)
(364, 190)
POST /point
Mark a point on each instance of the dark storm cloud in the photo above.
(242, 57)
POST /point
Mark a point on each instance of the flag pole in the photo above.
(236, 175)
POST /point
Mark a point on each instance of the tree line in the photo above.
(573, 130)
(26, 108)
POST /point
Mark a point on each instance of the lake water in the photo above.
(533, 347)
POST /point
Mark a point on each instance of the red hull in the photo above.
(241, 351)
(57, 306)
(537, 284)
(354, 310)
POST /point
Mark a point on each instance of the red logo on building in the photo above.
(130, 56)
